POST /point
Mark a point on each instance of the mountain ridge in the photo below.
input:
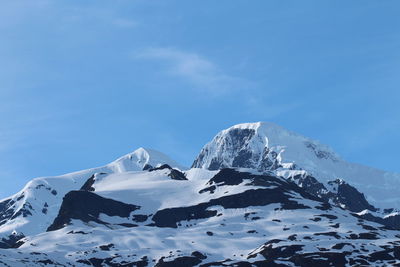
(282, 151)
(47, 192)
(250, 198)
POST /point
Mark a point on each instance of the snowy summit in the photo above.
(256, 195)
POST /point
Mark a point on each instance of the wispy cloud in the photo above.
(197, 69)
(207, 76)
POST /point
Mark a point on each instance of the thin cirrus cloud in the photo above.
(207, 76)
(201, 72)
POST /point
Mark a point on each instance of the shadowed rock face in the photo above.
(352, 198)
(236, 152)
(173, 173)
(346, 196)
(253, 197)
(283, 221)
(247, 148)
(280, 193)
(247, 195)
(88, 185)
(86, 206)
(10, 241)
(6, 210)
(294, 254)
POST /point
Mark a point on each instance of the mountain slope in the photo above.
(34, 208)
(226, 218)
(257, 195)
(269, 147)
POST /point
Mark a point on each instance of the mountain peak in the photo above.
(256, 125)
(143, 158)
(260, 145)
(265, 146)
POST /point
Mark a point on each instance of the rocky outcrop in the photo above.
(87, 206)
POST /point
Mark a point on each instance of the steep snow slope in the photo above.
(269, 210)
(269, 147)
(34, 208)
(214, 218)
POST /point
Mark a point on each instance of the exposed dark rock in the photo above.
(253, 197)
(341, 245)
(174, 173)
(393, 222)
(247, 214)
(106, 247)
(352, 199)
(77, 232)
(210, 189)
(199, 255)
(310, 185)
(128, 225)
(295, 255)
(234, 177)
(147, 167)
(269, 252)
(269, 160)
(369, 235)
(380, 255)
(280, 193)
(333, 234)
(25, 211)
(139, 217)
(236, 140)
(320, 259)
(346, 196)
(88, 185)
(177, 175)
(243, 159)
(45, 262)
(169, 217)
(390, 222)
(336, 225)
(72, 208)
(215, 164)
(388, 210)
(187, 261)
(324, 206)
(10, 241)
(368, 227)
(329, 216)
(162, 167)
(97, 262)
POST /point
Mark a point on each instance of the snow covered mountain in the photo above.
(35, 207)
(210, 218)
(257, 195)
(269, 147)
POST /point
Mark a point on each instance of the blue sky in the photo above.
(84, 82)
